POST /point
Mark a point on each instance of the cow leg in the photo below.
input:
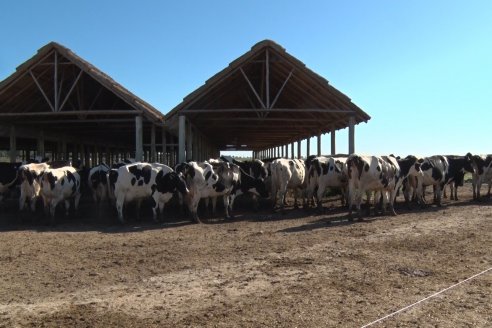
(52, 207)
(67, 206)
(438, 195)
(283, 192)
(226, 206)
(368, 203)
(137, 208)
(120, 201)
(214, 206)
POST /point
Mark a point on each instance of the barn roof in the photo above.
(265, 98)
(58, 89)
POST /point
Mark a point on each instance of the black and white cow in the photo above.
(458, 166)
(435, 169)
(205, 182)
(29, 185)
(255, 169)
(410, 168)
(137, 181)
(8, 177)
(59, 185)
(98, 184)
(326, 172)
(482, 172)
(378, 174)
(288, 174)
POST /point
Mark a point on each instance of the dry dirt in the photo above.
(261, 269)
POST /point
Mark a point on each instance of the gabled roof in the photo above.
(21, 82)
(266, 98)
(58, 91)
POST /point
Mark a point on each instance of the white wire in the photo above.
(425, 299)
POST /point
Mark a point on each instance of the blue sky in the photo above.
(421, 69)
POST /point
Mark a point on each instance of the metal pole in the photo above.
(333, 144)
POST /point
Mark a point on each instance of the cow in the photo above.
(255, 169)
(380, 174)
(138, 181)
(435, 169)
(205, 182)
(29, 185)
(326, 172)
(288, 174)
(248, 184)
(482, 172)
(57, 185)
(98, 184)
(458, 166)
(410, 169)
(8, 177)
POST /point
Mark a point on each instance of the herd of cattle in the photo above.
(356, 176)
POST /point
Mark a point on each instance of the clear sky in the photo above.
(421, 69)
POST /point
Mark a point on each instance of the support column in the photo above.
(181, 139)
(153, 150)
(40, 150)
(138, 138)
(189, 142)
(64, 148)
(292, 150)
(319, 144)
(351, 135)
(308, 146)
(333, 144)
(164, 147)
(13, 145)
(299, 148)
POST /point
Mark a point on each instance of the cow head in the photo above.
(185, 169)
(260, 188)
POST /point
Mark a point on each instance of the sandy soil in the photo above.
(264, 269)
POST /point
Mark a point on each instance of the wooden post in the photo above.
(13, 145)
(333, 150)
(181, 139)
(292, 150)
(308, 147)
(286, 151)
(299, 148)
(40, 150)
(351, 135)
(164, 146)
(138, 138)
(153, 150)
(64, 148)
(189, 142)
(319, 144)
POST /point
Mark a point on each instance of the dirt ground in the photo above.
(264, 269)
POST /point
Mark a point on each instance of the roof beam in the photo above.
(253, 88)
(276, 110)
(77, 112)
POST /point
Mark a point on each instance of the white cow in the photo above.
(57, 185)
(288, 174)
(435, 169)
(482, 172)
(205, 182)
(373, 173)
(325, 172)
(29, 184)
(135, 182)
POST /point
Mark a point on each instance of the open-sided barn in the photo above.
(56, 104)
